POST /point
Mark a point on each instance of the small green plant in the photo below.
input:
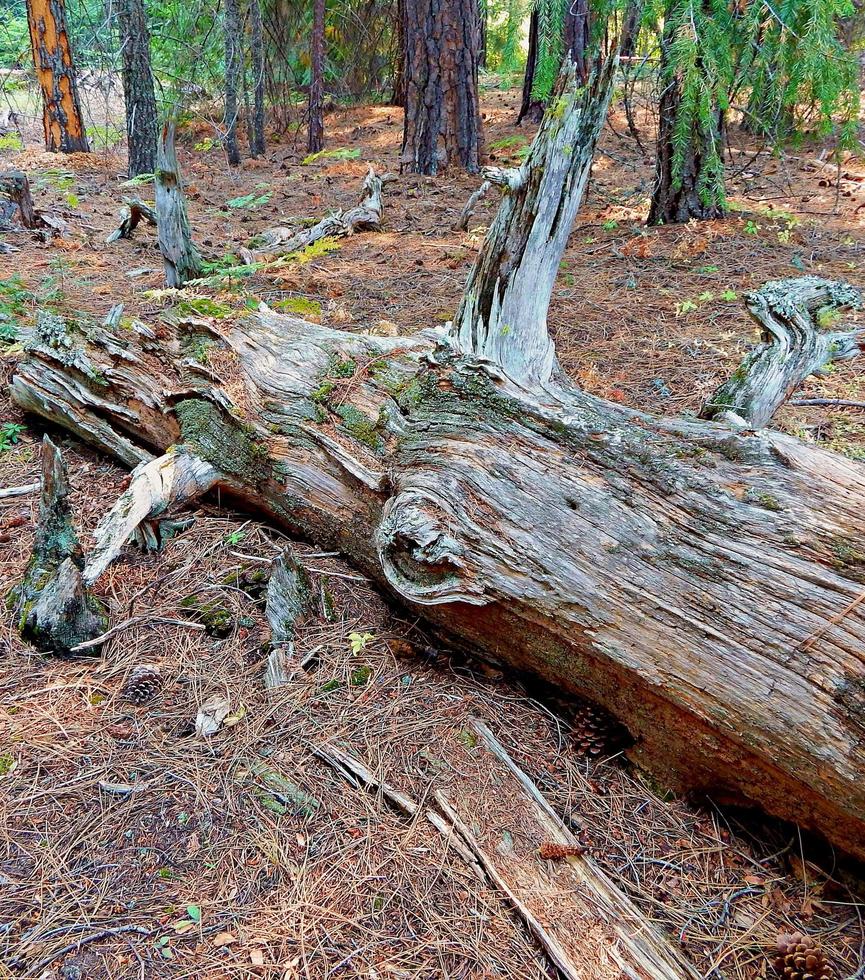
(827, 316)
(233, 538)
(139, 181)
(360, 677)
(751, 227)
(8, 332)
(610, 224)
(206, 145)
(686, 306)
(11, 143)
(249, 202)
(341, 153)
(729, 295)
(10, 435)
(359, 641)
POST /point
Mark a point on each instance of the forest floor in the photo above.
(170, 854)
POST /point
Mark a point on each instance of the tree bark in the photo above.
(442, 116)
(530, 107)
(256, 31)
(399, 56)
(179, 254)
(233, 66)
(142, 123)
(685, 188)
(701, 580)
(315, 139)
(15, 185)
(52, 56)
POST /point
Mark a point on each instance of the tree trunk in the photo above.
(700, 579)
(256, 30)
(315, 139)
(630, 30)
(442, 117)
(15, 185)
(233, 67)
(576, 46)
(399, 56)
(52, 57)
(688, 184)
(483, 13)
(179, 254)
(142, 124)
(530, 107)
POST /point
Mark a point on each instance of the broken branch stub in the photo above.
(55, 612)
(502, 316)
(796, 316)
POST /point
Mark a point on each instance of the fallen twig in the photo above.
(35, 968)
(98, 640)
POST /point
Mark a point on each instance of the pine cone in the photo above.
(144, 682)
(800, 958)
(551, 850)
(595, 732)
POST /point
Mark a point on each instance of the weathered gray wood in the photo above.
(797, 344)
(15, 185)
(503, 313)
(179, 254)
(366, 216)
(53, 609)
(699, 581)
(134, 211)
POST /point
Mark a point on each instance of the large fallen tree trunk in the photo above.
(700, 579)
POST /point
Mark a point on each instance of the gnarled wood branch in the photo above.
(365, 216)
(134, 212)
(796, 345)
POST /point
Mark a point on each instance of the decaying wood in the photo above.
(675, 571)
(52, 605)
(179, 254)
(11, 493)
(366, 216)
(134, 211)
(502, 316)
(795, 347)
(551, 901)
(15, 185)
(467, 213)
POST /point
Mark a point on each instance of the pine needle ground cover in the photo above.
(240, 853)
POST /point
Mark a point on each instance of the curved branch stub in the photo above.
(421, 559)
(178, 477)
(797, 344)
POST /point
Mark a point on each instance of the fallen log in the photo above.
(365, 216)
(699, 579)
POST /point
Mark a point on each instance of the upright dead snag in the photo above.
(15, 185)
(54, 610)
(179, 254)
(52, 57)
(502, 316)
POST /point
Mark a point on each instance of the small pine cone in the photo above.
(594, 731)
(144, 682)
(551, 850)
(800, 958)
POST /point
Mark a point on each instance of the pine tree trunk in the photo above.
(233, 67)
(142, 124)
(442, 117)
(52, 57)
(256, 29)
(399, 55)
(483, 13)
(530, 107)
(315, 139)
(692, 192)
(577, 26)
(630, 30)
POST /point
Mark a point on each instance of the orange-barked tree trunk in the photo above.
(52, 57)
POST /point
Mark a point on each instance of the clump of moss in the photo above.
(300, 305)
(359, 426)
(215, 618)
(763, 499)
